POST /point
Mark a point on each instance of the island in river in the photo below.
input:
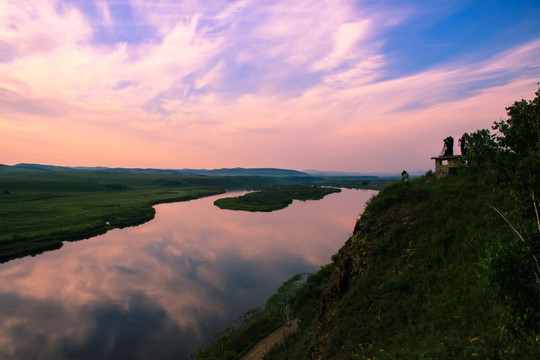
(274, 198)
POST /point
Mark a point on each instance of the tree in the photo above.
(511, 156)
(513, 152)
(481, 147)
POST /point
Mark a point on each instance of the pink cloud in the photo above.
(242, 84)
(346, 37)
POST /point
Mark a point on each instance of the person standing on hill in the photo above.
(448, 148)
(405, 177)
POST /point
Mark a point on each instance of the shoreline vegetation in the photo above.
(43, 206)
(294, 299)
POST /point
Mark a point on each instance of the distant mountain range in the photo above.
(238, 171)
(216, 172)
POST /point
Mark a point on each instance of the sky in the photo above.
(363, 86)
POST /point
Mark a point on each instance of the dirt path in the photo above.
(277, 337)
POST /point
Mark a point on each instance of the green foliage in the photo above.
(480, 147)
(513, 151)
(518, 143)
(521, 131)
(514, 165)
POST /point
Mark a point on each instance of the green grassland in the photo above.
(41, 208)
(274, 197)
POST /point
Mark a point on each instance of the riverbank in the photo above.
(277, 337)
(35, 221)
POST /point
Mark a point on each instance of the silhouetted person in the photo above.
(463, 144)
(448, 149)
(405, 177)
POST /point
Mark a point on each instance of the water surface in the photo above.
(162, 289)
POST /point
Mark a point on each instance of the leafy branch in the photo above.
(537, 272)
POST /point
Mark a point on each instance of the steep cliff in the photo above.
(431, 271)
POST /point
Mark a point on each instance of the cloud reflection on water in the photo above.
(163, 288)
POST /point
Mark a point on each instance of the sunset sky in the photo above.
(366, 86)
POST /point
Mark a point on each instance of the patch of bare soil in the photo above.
(277, 337)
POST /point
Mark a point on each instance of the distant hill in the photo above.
(245, 172)
(43, 167)
(215, 172)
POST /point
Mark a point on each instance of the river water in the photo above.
(162, 289)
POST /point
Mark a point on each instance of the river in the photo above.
(162, 289)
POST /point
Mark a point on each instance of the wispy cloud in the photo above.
(225, 83)
(103, 8)
(346, 38)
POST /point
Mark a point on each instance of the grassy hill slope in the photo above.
(443, 268)
(430, 272)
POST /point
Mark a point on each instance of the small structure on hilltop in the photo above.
(447, 163)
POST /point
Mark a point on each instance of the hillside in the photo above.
(442, 268)
(430, 272)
